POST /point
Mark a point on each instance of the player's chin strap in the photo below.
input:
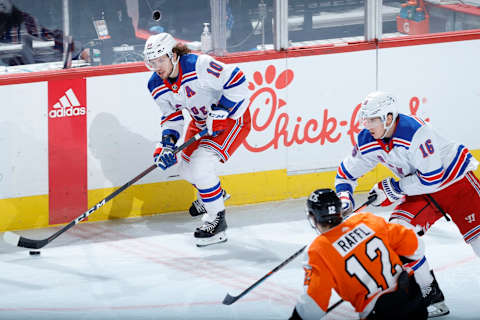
(174, 63)
(387, 128)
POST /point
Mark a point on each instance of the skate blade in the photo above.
(218, 238)
(437, 310)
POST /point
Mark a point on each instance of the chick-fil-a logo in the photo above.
(265, 105)
(265, 99)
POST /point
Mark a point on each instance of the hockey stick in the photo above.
(19, 241)
(228, 300)
(435, 204)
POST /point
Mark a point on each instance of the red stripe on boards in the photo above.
(67, 149)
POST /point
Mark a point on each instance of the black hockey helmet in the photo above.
(324, 206)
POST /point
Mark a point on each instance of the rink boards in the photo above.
(71, 138)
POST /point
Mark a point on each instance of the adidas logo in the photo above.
(67, 106)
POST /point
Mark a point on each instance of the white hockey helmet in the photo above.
(158, 45)
(379, 104)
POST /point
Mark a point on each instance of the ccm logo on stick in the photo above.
(67, 106)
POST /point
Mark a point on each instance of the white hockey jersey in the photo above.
(201, 82)
(424, 161)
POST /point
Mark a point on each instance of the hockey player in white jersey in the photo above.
(216, 97)
(435, 178)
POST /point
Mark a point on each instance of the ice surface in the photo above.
(149, 268)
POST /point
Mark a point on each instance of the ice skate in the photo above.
(197, 208)
(211, 232)
(435, 300)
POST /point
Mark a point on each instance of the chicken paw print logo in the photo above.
(265, 103)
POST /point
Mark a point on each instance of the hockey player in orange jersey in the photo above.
(361, 259)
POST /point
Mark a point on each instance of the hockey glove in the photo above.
(347, 202)
(216, 120)
(164, 155)
(388, 191)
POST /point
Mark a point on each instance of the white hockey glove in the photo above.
(347, 202)
(216, 120)
(388, 191)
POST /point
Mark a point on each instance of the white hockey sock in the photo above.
(422, 273)
(212, 198)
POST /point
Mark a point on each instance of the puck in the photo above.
(34, 252)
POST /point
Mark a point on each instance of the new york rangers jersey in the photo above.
(424, 161)
(201, 82)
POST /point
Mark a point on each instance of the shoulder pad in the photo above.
(156, 86)
(188, 62)
(364, 137)
(407, 126)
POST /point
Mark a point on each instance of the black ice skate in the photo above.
(212, 232)
(435, 300)
(197, 208)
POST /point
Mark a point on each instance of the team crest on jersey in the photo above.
(175, 87)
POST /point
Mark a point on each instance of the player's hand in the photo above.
(216, 120)
(347, 202)
(164, 156)
(387, 191)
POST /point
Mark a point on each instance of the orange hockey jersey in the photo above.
(359, 259)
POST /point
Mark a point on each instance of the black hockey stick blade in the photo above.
(19, 241)
(228, 300)
(16, 240)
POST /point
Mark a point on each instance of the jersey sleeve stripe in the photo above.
(431, 173)
(343, 172)
(420, 121)
(458, 165)
(401, 143)
(236, 78)
(159, 91)
(455, 170)
(189, 77)
(369, 147)
(176, 116)
(432, 177)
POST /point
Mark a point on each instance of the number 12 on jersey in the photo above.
(374, 249)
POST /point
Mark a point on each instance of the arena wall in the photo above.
(57, 163)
